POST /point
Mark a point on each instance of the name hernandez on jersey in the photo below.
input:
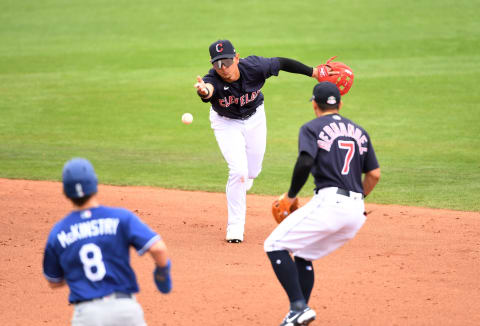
(335, 130)
(342, 151)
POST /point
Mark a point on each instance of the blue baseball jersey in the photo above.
(342, 151)
(89, 249)
(242, 97)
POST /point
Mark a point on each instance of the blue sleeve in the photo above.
(370, 163)
(52, 270)
(267, 67)
(210, 78)
(140, 235)
(307, 141)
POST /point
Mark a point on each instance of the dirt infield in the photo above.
(407, 266)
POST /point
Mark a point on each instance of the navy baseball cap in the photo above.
(79, 179)
(221, 49)
(326, 93)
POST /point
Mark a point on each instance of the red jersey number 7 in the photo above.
(350, 147)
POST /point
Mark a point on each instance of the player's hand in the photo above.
(201, 86)
(329, 69)
(291, 200)
(337, 73)
(162, 278)
(284, 206)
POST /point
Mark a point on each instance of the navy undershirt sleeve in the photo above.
(370, 162)
(295, 66)
(300, 173)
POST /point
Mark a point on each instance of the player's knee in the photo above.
(238, 175)
(268, 245)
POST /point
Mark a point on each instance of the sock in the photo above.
(306, 276)
(287, 275)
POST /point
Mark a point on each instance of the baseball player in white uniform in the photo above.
(336, 151)
(237, 116)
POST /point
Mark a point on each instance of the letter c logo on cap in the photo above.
(219, 47)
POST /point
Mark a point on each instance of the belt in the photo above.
(340, 191)
(247, 116)
(244, 117)
(343, 192)
(114, 295)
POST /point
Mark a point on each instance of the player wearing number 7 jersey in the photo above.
(89, 250)
(336, 151)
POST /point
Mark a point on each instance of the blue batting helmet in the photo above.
(79, 179)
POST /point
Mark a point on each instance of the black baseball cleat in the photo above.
(299, 317)
(234, 240)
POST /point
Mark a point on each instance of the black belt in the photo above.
(247, 116)
(244, 117)
(343, 192)
(115, 295)
(340, 191)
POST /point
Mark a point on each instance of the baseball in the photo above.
(187, 118)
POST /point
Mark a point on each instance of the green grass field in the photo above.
(109, 80)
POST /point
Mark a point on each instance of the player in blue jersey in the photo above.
(336, 151)
(233, 88)
(89, 251)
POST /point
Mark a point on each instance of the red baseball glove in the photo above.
(344, 78)
(281, 208)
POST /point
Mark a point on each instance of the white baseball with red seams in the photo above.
(187, 118)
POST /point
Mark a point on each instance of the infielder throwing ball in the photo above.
(89, 250)
(233, 88)
(336, 151)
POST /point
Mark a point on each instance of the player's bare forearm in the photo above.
(370, 180)
(56, 285)
(161, 273)
(159, 253)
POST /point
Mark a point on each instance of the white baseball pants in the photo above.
(242, 143)
(323, 225)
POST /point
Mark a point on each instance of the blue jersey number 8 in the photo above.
(92, 260)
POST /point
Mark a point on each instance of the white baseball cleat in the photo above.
(234, 235)
(300, 317)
